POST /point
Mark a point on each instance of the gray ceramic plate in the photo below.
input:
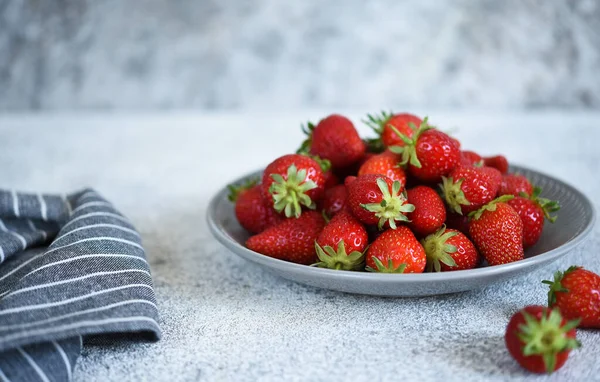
(575, 222)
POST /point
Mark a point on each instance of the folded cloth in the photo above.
(92, 279)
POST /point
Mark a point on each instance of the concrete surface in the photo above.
(226, 319)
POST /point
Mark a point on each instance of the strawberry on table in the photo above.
(514, 184)
(449, 250)
(389, 128)
(334, 138)
(396, 251)
(497, 231)
(429, 214)
(429, 153)
(375, 199)
(540, 339)
(466, 189)
(334, 200)
(533, 210)
(342, 243)
(291, 240)
(291, 182)
(387, 163)
(253, 212)
(576, 292)
(498, 162)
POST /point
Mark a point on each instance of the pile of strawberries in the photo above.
(408, 201)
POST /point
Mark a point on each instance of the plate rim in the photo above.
(458, 275)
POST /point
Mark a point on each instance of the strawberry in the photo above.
(342, 243)
(468, 188)
(330, 178)
(253, 212)
(457, 222)
(293, 181)
(291, 240)
(334, 138)
(375, 199)
(540, 339)
(396, 251)
(576, 292)
(334, 200)
(389, 128)
(429, 213)
(498, 162)
(494, 175)
(449, 250)
(532, 210)
(456, 141)
(497, 231)
(430, 154)
(470, 159)
(514, 184)
(386, 163)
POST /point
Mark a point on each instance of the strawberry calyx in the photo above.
(236, 189)
(547, 205)
(377, 122)
(491, 206)
(453, 194)
(308, 130)
(393, 206)
(339, 259)
(386, 268)
(546, 337)
(556, 284)
(289, 195)
(409, 150)
(438, 251)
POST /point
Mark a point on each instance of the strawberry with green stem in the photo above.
(252, 211)
(389, 128)
(533, 211)
(396, 251)
(375, 199)
(576, 292)
(386, 163)
(292, 182)
(466, 189)
(540, 339)
(342, 243)
(429, 153)
(449, 250)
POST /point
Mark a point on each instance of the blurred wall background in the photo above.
(269, 54)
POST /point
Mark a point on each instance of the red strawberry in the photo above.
(429, 214)
(514, 184)
(389, 128)
(293, 181)
(498, 162)
(334, 200)
(576, 292)
(470, 159)
(375, 199)
(430, 154)
(342, 243)
(330, 178)
(494, 175)
(497, 231)
(386, 163)
(291, 240)
(334, 138)
(396, 251)
(540, 339)
(532, 210)
(468, 188)
(348, 180)
(253, 212)
(449, 250)
(457, 222)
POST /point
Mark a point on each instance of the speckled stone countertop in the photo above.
(226, 319)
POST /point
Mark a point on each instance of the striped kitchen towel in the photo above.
(92, 279)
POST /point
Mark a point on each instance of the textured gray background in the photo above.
(269, 54)
(225, 319)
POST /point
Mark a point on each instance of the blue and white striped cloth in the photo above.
(92, 279)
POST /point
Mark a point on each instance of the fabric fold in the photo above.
(92, 279)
